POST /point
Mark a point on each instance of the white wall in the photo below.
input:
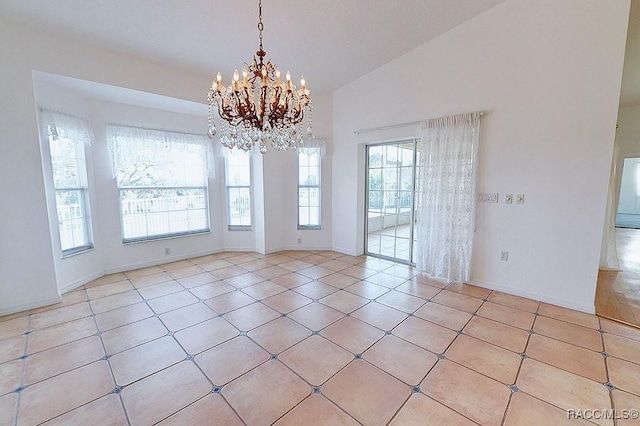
(118, 256)
(27, 276)
(628, 135)
(275, 198)
(280, 187)
(27, 258)
(109, 254)
(547, 74)
(77, 269)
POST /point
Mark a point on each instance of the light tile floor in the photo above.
(308, 338)
(618, 292)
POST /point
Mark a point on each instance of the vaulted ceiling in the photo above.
(331, 42)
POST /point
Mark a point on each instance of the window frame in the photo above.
(165, 235)
(318, 186)
(230, 226)
(82, 187)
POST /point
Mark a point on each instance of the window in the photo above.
(67, 137)
(309, 188)
(238, 179)
(162, 182)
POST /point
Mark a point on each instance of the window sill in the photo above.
(164, 237)
(309, 228)
(76, 251)
(239, 228)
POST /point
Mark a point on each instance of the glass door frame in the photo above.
(414, 176)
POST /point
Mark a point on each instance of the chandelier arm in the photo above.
(241, 106)
(249, 108)
(278, 114)
(263, 106)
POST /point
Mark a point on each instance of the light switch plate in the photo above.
(488, 197)
(519, 198)
(508, 198)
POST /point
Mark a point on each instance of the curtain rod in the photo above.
(42, 109)
(59, 112)
(393, 126)
(156, 130)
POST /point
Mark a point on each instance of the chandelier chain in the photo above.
(260, 24)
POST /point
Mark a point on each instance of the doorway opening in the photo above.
(392, 170)
(618, 286)
(628, 215)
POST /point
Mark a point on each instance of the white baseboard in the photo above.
(238, 250)
(589, 309)
(155, 262)
(30, 305)
(79, 282)
(67, 287)
(297, 247)
(348, 252)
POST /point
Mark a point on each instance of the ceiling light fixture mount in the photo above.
(260, 109)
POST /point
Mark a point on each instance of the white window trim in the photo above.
(231, 227)
(75, 129)
(318, 186)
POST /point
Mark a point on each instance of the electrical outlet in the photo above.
(167, 251)
(299, 240)
(508, 198)
(519, 198)
(504, 256)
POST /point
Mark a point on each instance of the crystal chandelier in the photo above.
(260, 109)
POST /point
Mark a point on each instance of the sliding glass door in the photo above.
(390, 192)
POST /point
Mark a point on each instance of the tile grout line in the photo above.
(107, 359)
(524, 353)
(522, 362)
(426, 301)
(22, 371)
(606, 365)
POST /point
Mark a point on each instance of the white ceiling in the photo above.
(331, 42)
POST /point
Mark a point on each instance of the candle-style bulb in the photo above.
(288, 76)
(236, 76)
(245, 72)
(219, 77)
(302, 82)
(277, 76)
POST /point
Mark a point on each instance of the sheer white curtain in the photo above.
(313, 145)
(61, 125)
(447, 196)
(123, 139)
(609, 251)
